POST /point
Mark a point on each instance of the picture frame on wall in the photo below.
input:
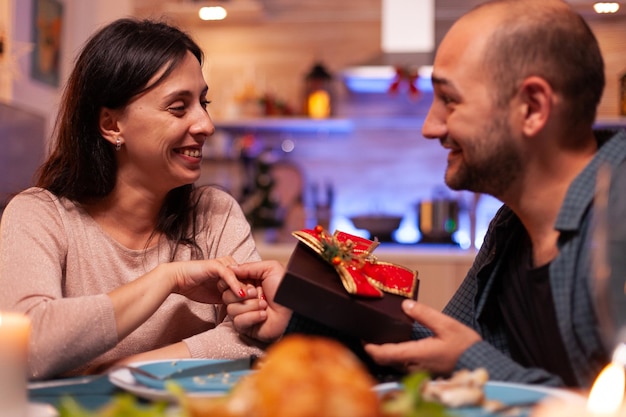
(47, 23)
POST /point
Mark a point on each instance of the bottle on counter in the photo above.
(323, 207)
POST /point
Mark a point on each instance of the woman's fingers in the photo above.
(248, 323)
(247, 306)
(228, 297)
(226, 274)
(248, 314)
(205, 280)
(256, 314)
(261, 294)
(260, 270)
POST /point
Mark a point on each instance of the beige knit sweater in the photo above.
(57, 265)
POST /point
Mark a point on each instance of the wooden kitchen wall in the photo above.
(275, 51)
(611, 34)
(273, 55)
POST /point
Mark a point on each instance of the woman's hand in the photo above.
(135, 302)
(437, 354)
(197, 280)
(257, 315)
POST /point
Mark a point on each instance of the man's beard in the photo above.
(489, 164)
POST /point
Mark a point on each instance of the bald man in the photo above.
(516, 88)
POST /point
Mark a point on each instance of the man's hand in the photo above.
(437, 354)
(257, 315)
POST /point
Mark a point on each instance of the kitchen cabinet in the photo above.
(441, 268)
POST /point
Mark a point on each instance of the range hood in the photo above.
(407, 41)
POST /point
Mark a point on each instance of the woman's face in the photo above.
(163, 131)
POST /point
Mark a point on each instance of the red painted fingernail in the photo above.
(262, 296)
(242, 293)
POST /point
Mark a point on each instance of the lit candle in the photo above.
(319, 104)
(607, 394)
(14, 335)
(605, 399)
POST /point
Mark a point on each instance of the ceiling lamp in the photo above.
(212, 13)
(603, 7)
(194, 12)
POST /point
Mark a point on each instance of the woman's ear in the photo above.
(107, 124)
(537, 98)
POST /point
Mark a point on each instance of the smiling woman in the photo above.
(162, 130)
(128, 251)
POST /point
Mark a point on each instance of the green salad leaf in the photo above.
(127, 405)
(410, 403)
(122, 405)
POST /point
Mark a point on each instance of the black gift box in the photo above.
(312, 288)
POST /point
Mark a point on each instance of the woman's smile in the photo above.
(191, 152)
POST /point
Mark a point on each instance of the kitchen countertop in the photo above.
(425, 251)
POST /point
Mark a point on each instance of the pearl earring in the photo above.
(118, 144)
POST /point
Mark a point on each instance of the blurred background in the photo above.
(318, 104)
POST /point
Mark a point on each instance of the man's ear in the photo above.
(107, 124)
(537, 99)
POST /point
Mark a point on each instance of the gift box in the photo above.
(337, 281)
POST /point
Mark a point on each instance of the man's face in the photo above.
(486, 161)
(483, 154)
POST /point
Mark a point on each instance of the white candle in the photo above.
(14, 335)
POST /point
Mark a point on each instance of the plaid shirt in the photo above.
(569, 280)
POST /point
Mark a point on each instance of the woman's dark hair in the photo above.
(115, 65)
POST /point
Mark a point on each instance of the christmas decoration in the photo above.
(405, 76)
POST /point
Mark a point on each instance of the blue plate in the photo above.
(507, 393)
(219, 382)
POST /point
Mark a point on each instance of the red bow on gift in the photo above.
(360, 272)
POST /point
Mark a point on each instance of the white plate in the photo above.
(508, 393)
(194, 387)
(41, 410)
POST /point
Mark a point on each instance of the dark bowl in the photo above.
(381, 226)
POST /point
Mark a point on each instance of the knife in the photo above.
(206, 369)
(224, 366)
(63, 382)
